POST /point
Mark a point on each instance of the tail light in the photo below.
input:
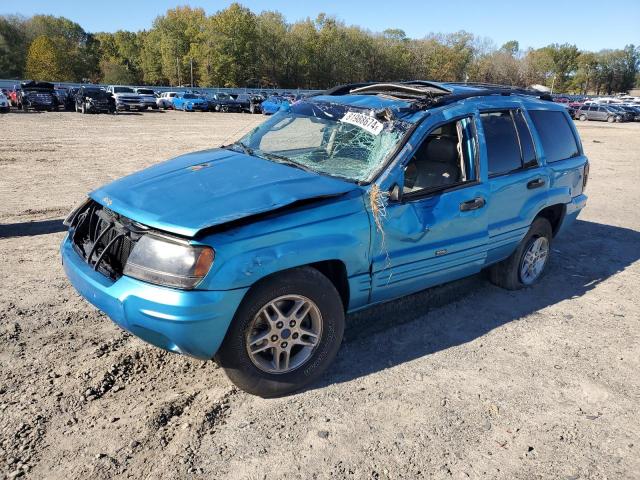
(585, 176)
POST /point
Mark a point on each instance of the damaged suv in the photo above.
(252, 253)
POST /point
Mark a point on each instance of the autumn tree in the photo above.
(44, 62)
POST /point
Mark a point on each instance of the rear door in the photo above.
(517, 182)
(601, 113)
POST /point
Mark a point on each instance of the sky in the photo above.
(589, 24)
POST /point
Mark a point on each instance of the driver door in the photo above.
(438, 231)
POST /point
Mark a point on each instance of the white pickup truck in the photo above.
(126, 98)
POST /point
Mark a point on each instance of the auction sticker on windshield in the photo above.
(366, 122)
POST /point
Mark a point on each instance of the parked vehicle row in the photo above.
(92, 99)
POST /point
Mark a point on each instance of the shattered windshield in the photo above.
(331, 139)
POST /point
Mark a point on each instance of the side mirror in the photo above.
(395, 194)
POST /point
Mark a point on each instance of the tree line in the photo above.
(236, 47)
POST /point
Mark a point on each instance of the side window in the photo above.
(503, 147)
(556, 135)
(445, 157)
(527, 149)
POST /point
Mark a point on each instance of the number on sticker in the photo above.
(363, 121)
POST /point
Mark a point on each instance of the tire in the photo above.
(304, 283)
(611, 119)
(252, 109)
(508, 273)
(84, 108)
(583, 118)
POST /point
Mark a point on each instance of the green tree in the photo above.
(44, 61)
(13, 46)
(230, 44)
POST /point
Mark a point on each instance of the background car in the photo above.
(625, 114)
(4, 103)
(274, 103)
(148, 97)
(633, 110)
(188, 102)
(598, 112)
(165, 100)
(126, 98)
(250, 103)
(223, 102)
(13, 96)
(37, 96)
(91, 99)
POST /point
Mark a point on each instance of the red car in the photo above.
(13, 96)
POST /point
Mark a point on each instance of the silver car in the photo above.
(148, 97)
(598, 112)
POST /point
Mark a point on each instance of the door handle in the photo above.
(537, 183)
(474, 204)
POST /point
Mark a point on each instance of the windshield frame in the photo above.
(381, 166)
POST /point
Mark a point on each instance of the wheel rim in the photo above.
(284, 334)
(534, 260)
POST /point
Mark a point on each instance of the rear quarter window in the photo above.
(556, 135)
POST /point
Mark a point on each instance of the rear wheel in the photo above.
(583, 118)
(84, 108)
(528, 263)
(285, 333)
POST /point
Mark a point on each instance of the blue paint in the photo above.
(263, 217)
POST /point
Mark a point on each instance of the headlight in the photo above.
(169, 262)
(73, 213)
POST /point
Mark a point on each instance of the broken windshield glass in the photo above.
(330, 139)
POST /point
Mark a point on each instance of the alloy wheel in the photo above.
(284, 334)
(534, 260)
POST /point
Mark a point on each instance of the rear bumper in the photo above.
(573, 210)
(193, 322)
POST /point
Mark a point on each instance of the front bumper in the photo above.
(189, 322)
(131, 105)
(197, 106)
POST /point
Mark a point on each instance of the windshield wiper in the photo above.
(284, 160)
(245, 148)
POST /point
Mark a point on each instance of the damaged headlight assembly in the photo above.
(169, 262)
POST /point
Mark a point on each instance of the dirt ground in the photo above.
(465, 381)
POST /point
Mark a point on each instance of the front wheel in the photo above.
(583, 118)
(285, 334)
(528, 263)
(84, 108)
(611, 119)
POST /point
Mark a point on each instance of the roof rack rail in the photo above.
(490, 90)
(344, 89)
(434, 93)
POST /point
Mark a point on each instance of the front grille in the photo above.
(129, 100)
(104, 239)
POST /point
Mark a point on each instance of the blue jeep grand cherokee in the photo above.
(252, 253)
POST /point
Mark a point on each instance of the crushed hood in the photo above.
(209, 188)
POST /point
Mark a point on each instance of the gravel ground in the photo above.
(462, 381)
